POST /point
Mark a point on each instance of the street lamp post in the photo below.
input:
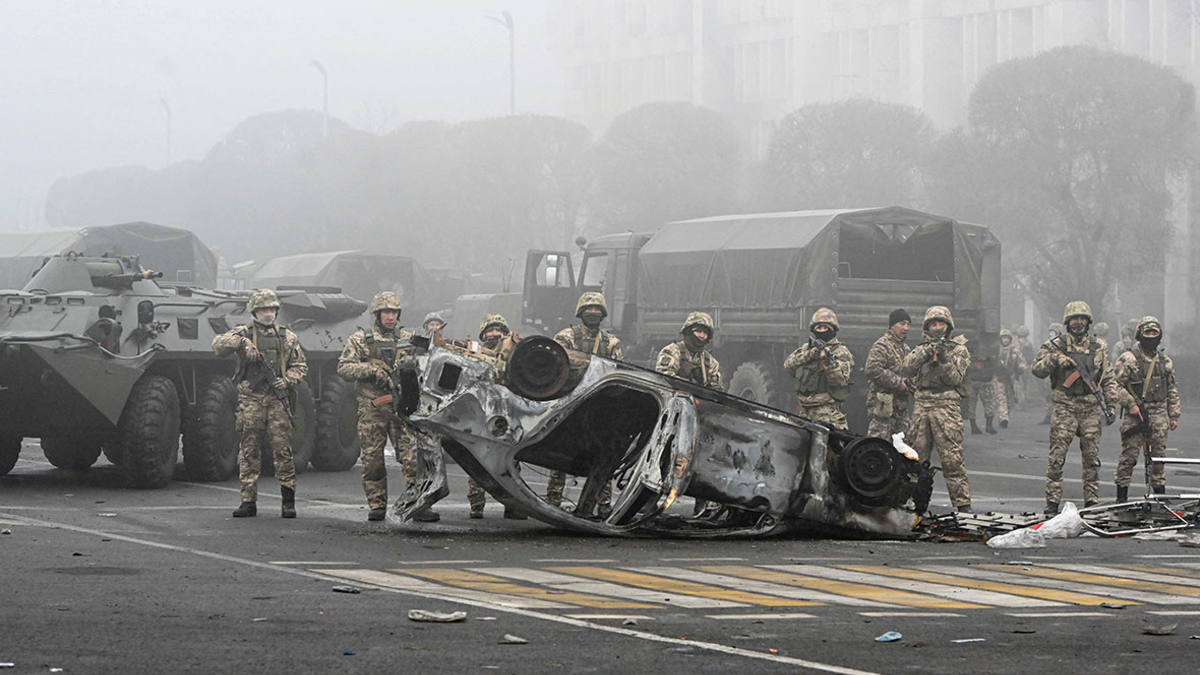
(167, 107)
(325, 93)
(507, 22)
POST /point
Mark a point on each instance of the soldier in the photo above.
(1146, 378)
(1010, 369)
(887, 395)
(1027, 352)
(687, 359)
(270, 365)
(822, 370)
(981, 377)
(1127, 340)
(1071, 361)
(368, 361)
(495, 336)
(433, 323)
(938, 370)
(589, 338)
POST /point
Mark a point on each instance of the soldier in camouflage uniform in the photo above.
(589, 338)
(981, 376)
(1010, 368)
(938, 370)
(687, 359)
(259, 392)
(433, 323)
(494, 336)
(822, 369)
(887, 395)
(1076, 411)
(1127, 340)
(1027, 382)
(367, 361)
(1145, 377)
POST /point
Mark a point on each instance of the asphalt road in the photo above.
(97, 578)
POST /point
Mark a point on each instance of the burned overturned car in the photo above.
(541, 407)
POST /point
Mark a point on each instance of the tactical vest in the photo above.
(383, 350)
(1155, 388)
(273, 347)
(590, 345)
(1091, 360)
(928, 378)
(811, 380)
(691, 371)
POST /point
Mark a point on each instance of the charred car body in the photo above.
(658, 439)
(97, 356)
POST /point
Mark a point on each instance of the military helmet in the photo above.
(1101, 329)
(824, 315)
(385, 300)
(1004, 332)
(263, 298)
(432, 316)
(1148, 322)
(1023, 331)
(1130, 327)
(490, 320)
(1056, 328)
(938, 313)
(699, 319)
(1077, 308)
(591, 299)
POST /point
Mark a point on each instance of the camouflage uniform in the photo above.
(698, 366)
(887, 395)
(581, 338)
(982, 382)
(369, 356)
(1126, 342)
(1027, 382)
(1010, 369)
(1076, 411)
(476, 495)
(938, 372)
(1151, 378)
(258, 408)
(822, 376)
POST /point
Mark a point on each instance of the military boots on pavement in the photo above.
(246, 510)
(289, 502)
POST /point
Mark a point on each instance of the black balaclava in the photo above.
(1149, 344)
(693, 343)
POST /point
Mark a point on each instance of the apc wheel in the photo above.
(71, 452)
(210, 439)
(303, 435)
(10, 450)
(148, 432)
(756, 381)
(337, 446)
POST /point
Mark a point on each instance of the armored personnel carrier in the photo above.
(97, 355)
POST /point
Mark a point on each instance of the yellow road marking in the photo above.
(1155, 569)
(1099, 579)
(984, 585)
(847, 588)
(490, 584)
(683, 587)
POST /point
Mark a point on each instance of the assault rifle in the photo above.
(1079, 373)
(263, 372)
(403, 399)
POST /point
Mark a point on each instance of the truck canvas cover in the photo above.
(360, 274)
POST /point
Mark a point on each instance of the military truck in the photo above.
(97, 355)
(763, 275)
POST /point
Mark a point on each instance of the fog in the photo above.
(83, 83)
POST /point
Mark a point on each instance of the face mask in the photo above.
(692, 342)
(1077, 330)
(265, 318)
(823, 335)
(491, 341)
(592, 320)
(938, 333)
(1149, 344)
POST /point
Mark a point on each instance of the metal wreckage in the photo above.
(655, 438)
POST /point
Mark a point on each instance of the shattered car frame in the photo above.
(657, 438)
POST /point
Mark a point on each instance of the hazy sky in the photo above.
(82, 83)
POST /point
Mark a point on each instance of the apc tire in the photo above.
(10, 450)
(210, 438)
(71, 452)
(756, 381)
(303, 434)
(337, 446)
(148, 432)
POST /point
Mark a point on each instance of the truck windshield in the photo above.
(595, 271)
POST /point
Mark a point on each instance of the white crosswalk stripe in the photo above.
(939, 590)
(1091, 589)
(753, 586)
(407, 583)
(1129, 574)
(564, 582)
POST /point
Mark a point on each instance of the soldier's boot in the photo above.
(975, 427)
(1089, 503)
(965, 508)
(988, 422)
(427, 515)
(1122, 494)
(1159, 489)
(376, 514)
(246, 510)
(513, 513)
(477, 511)
(1051, 509)
(289, 502)
(1003, 424)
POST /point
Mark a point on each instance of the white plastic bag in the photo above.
(1066, 525)
(1025, 537)
(904, 448)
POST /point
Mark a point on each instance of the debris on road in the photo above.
(1112, 605)
(346, 589)
(107, 514)
(890, 636)
(509, 639)
(1023, 538)
(629, 622)
(1160, 630)
(966, 640)
(436, 617)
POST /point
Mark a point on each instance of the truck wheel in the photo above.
(10, 450)
(71, 452)
(337, 427)
(756, 381)
(303, 436)
(148, 432)
(210, 440)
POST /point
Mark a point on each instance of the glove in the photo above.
(248, 349)
(280, 384)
